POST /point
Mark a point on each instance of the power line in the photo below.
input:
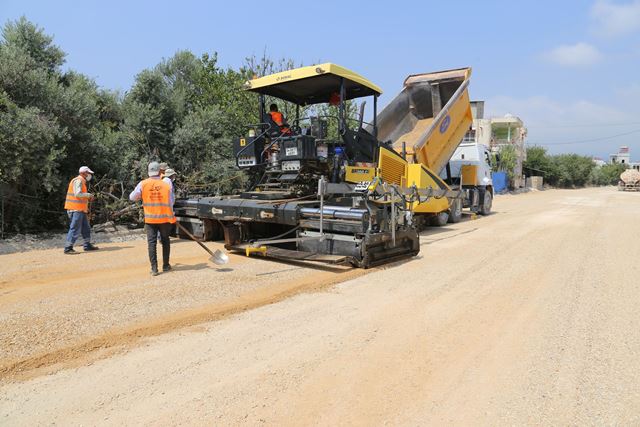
(582, 125)
(584, 141)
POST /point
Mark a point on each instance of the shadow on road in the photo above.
(332, 268)
(112, 248)
(188, 267)
(466, 217)
(430, 241)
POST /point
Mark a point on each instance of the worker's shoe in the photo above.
(166, 268)
(90, 247)
(69, 250)
(154, 272)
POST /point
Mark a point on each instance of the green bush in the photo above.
(572, 170)
(183, 111)
(607, 174)
(538, 163)
(506, 161)
(562, 170)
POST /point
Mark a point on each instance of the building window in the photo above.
(470, 136)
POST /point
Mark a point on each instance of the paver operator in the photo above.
(278, 118)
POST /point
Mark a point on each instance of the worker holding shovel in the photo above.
(157, 202)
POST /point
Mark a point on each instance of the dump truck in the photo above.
(426, 122)
(355, 198)
(629, 180)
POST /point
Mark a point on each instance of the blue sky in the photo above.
(569, 69)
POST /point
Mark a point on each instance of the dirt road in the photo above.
(528, 316)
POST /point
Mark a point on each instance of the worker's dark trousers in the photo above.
(152, 239)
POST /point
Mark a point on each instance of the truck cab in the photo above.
(470, 169)
(472, 153)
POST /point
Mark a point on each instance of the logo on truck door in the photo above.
(444, 124)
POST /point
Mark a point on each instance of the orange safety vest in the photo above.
(279, 119)
(156, 202)
(74, 203)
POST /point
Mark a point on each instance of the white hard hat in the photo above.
(85, 169)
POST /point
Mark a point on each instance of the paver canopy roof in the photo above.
(313, 84)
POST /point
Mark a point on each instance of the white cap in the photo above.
(153, 169)
(85, 169)
(169, 172)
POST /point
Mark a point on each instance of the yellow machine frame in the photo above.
(395, 170)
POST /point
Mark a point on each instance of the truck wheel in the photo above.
(455, 211)
(487, 199)
(440, 219)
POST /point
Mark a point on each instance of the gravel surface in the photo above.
(54, 307)
(29, 242)
(525, 317)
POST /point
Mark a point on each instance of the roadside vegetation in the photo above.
(569, 170)
(505, 161)
(185, 111)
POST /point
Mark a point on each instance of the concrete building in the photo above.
(496, 132)
(623, 156)
(598, 162)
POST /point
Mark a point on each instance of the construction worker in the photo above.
(278, 118)
(169, 177)
(157, 202)
(334, 99)
(163, 168)
(77, 206)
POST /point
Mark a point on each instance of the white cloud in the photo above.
(544, 111)
(612, 20)
(577, 55)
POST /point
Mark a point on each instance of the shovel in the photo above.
(218, 257)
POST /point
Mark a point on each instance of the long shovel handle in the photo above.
(194, 238)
